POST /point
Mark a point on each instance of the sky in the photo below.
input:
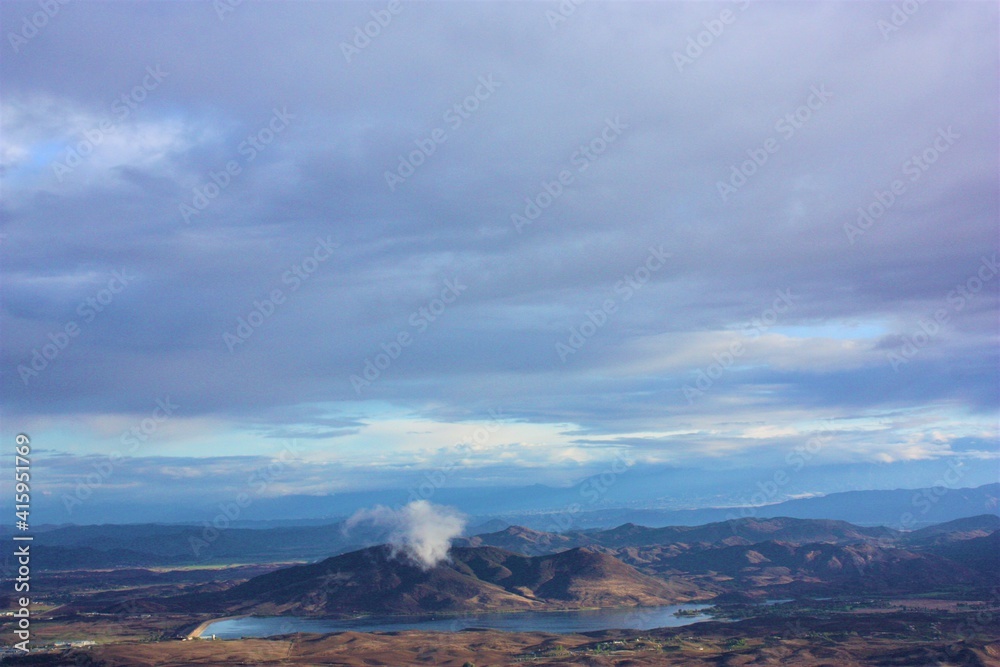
(497, 244)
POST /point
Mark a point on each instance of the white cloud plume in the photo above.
(421, 530)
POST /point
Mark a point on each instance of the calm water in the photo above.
(644, 618)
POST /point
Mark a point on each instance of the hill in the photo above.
(738, 531)
(979, 553)
(149, 545)
(828, 568)
(952, 531)
(377, 580)
(524, 541)
(785, 556)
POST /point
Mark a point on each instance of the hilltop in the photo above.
(380, 580)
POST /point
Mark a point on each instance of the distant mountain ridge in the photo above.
(737, 531)
(905, 509)
(788, 556)
(547, 508)
(147, 545)
(518, 569)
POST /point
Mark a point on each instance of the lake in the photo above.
(636, 618)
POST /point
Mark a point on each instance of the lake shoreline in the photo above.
(204, 625)
(553, 620)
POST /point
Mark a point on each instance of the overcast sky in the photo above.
(624, 230)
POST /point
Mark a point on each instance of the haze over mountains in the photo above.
(519, 569)
(667, 494)
(900, 508)
(428, 569)
(145, 545)
(514, 567)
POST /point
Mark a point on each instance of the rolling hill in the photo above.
(378, 580)
(953, 531)
(978, 553)
(828, 568)
(737, 531)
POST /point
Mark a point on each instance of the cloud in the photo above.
(421, 530)
(656, 185)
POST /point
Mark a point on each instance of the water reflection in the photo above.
(637, 618)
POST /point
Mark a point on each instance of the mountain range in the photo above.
(384, 581)
(519, 569)
(631, 566)
(147, 545)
